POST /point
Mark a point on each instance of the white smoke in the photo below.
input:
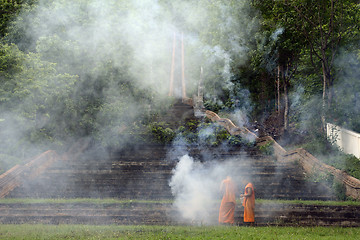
(275, 35)
(196, 187)
(86, 38)
(215, 34)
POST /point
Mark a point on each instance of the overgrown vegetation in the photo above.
(196, 132)
(267, 148)
(328, 180)
(322, 149)
(346, 162)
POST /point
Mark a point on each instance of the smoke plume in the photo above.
(196, 187)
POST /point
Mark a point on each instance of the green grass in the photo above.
(127, 201)
(28, 231)
(40, 231)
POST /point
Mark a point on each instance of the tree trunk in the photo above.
(278, 90)
(286, 105)
(323, 117)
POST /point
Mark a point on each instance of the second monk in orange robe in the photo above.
(249, 204)
(228, 202)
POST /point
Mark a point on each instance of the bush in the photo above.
(267, 148)
(195, 132)
(340, 190)
(318, 145)
(161, 133)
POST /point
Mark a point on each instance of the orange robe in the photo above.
(249, 204)
(228, 202)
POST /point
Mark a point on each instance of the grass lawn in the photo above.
(28, 231)
(40, 231)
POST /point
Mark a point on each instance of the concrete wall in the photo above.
(347, 140)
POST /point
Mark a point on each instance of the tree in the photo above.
(8, 11)
(312, 32)
(280, 51)
(30, 90)
(325, 25)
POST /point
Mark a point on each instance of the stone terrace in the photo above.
(142, 172)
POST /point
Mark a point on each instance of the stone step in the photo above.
(165, 214)
(89, 177)
(144, 171)
(155, 187)
(122, 168)
(133, 159)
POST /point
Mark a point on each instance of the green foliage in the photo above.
(322, 177)
(30, 90)
(211, 134)
(9, 10)
(12, 12)
(267, 148)
(214, 106)
(236, 141)
(340, 190)
(345, 110)
(321, 148)
(346, 162)
(195, 132)
(328, 180)
(317, 144)
(308, 37)
(352, 165)
(161, 133)
(104, 97)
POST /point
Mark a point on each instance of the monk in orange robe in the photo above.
(249, 204)
(228, 202)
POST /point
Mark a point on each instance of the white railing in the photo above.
(348, 141)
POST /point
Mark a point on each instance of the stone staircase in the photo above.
(144, 172)
(178, 115)
(137, 172)
(141, 171)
